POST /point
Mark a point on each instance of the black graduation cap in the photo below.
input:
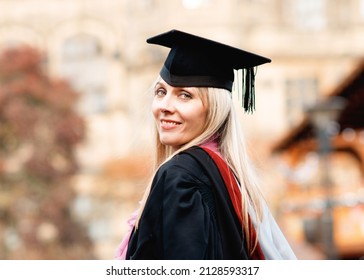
(194, 61)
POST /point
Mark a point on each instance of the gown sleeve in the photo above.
(188, 225)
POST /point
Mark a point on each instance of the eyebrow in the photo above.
(158, 84)
(164, 84)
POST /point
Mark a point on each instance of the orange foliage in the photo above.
(39, 130)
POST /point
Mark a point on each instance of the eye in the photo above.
(185, 95)
(160, 92)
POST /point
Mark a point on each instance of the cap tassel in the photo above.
(249, 90)
(246, 90)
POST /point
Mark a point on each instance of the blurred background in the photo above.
(75, 126)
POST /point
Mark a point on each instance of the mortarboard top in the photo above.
(195, 61)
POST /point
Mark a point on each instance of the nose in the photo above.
(166, 105)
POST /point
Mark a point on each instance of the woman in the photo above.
(204, 201)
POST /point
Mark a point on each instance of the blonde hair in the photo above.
(223, 124)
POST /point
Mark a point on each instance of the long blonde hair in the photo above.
(223, 124)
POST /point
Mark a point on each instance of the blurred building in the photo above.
(306, 195)
(100, 47)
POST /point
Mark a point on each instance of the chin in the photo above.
(172, 144)
(167, 142)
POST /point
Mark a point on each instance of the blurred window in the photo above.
(85, 66)
(305, 14)
(300, 94)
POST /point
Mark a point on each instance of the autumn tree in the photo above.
(39, 132)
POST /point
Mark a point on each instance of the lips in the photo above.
(169, 124)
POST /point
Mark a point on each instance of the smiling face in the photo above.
(179, 113)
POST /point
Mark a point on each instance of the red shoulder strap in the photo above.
(235, 196)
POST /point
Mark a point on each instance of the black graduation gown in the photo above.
(189, 214)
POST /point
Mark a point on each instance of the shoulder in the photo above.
(186, 178)
(187, 168)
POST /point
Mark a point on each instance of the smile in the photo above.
(168, 124)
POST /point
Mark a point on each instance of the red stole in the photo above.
(235, 196)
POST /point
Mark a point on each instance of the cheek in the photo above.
(200, 121)
(155, 110)
(203, 122)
